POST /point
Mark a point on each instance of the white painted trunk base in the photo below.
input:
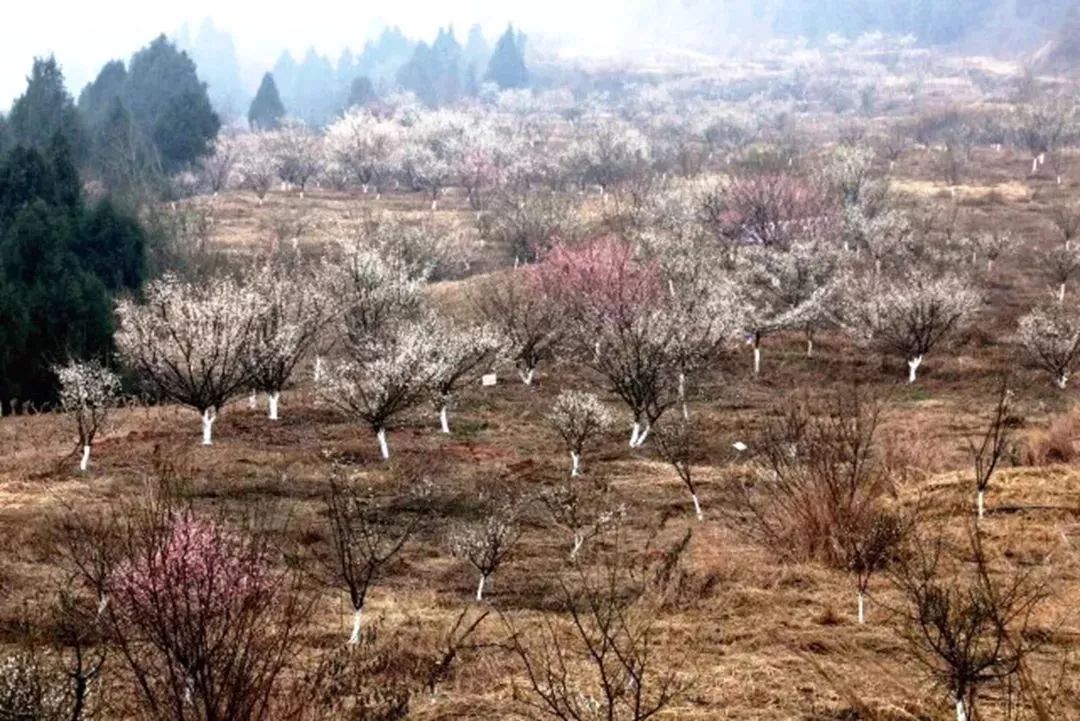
(272, 401)
(527, 376)
(697, 507)
(913, 368)
(480, 588)
(862, 608)
(444, 420)
(757, 360)
(208, 418)
(84, 463)
(980, 503)
(384, 449)
(575, 465)
(355, 637)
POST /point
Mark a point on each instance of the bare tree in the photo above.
(527, 222)
(988, 449)
(1050, 336)
(678, 443)
(993, 245)
(191, 342)
(604, 663)
(365, 537)
(584, 508)
(578, 418)
(88, 390)
(966, 625)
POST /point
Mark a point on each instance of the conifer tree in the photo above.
(45, 109)
(507, 66)
(266, 109)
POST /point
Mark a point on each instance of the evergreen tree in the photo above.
(507, 66)
(169, 104)
(361, 92)
(45, 109)
(96, 99)
(477, 50)
(266, 110)
(418, 75)
(214, 53)
(119, 154)
(5, 135)
(447, 71)
(57, 263)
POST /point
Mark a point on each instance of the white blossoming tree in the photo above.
(297, 152)
(191, 343)
(384, 377)
(531, 326)
(293, 312)
(462, 354)
(1050, 336)
(256, 167)
(909, 315)
(361, 148)
(578, 418)
(88, 391)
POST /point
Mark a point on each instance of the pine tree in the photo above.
(170, 105)
(45, 109)
(97, 98)
(361, 92)
(507, 66)
(266, 109)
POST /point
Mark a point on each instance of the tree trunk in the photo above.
(384, 449)
(697, 507)
(253, 400)
(444, 420)
(317, 374)
(809, 346)
(635, 431)
(1062, 381)
(757, 358)
(575, 465)
(961, 712)
(1061, 293)
(913, 368)
(273, 399)
(208, 418)
(480, 588)
(682, 396)
(862, 608)
(355, 637)
(980, 504)
(644, 435)
(579, 541)
(84, 463)
(527, 376)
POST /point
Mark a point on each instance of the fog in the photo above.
(83, 36)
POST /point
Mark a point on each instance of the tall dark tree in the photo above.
(122, 159)
(45, 109)
(361, 92)
(5, 135)
(170, 104)
(507, 66)
(57, 263)
(447, 67)
(214, 53)
(418, 75)
(266, 109)
(97, 98)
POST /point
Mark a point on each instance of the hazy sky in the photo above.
(84, 35)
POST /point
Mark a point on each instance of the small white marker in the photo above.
(488, 379)
(739, 446)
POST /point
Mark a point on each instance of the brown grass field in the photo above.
(756, 638)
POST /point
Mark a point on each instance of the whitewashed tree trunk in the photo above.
(862, 608)
(272, 401)
(1062, 381)
(697, 507)
(527, 376)
(810, 346)
(103, 603)
(1034, 165)
(317, 374)
(1061, 293)
(682, 396)
(84, 463)
(644, 434)
(208, 418)
(981, 504)
(961, 712)
(579, 541)
(575, 464)
(355, 637)
(434, 205)
(635, 431)
(480, 588)
(444, 420)
(384, 449)
(757, 359)
(913, 368)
